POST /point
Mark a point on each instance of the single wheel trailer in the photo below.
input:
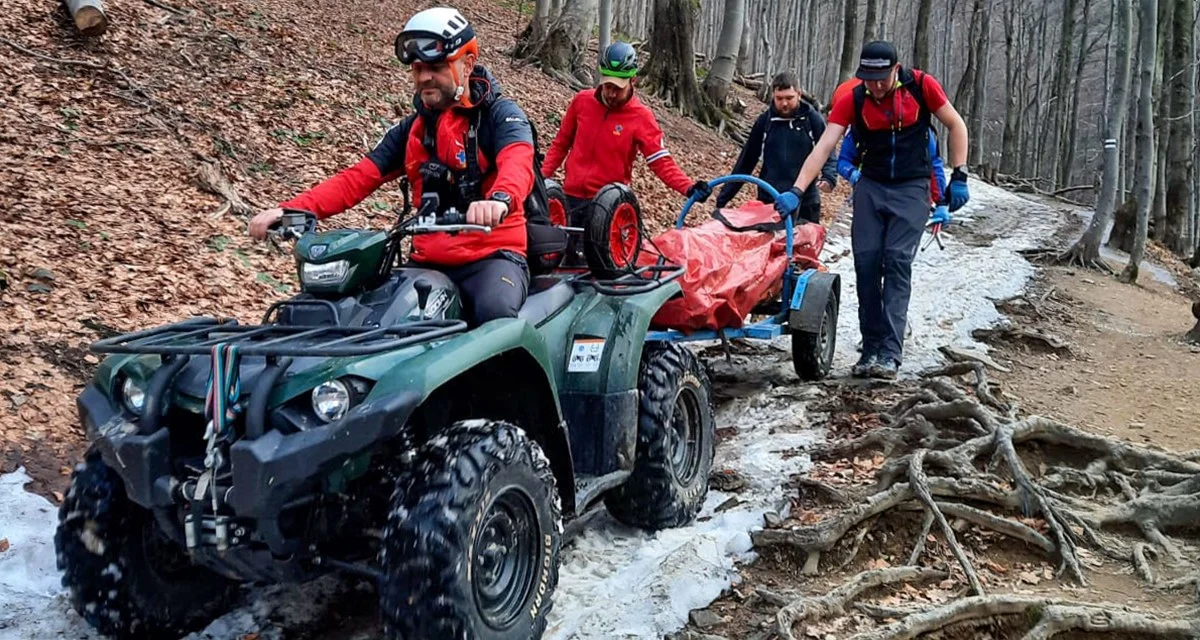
(806, 308)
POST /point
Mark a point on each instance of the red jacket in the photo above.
(505, 156)
(603, 144)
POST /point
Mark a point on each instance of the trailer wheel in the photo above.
(812, 351)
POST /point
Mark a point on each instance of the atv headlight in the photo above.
(325, 273)
(331, 400)
(133, 396)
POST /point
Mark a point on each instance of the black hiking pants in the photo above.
(491, 288)
(889, 219)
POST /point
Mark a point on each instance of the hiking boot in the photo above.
(863, 366)
(885, 368)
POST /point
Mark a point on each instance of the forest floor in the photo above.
(114, 219)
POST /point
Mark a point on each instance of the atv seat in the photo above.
(547, 295)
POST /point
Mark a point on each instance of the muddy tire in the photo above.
(471, 545)
(612, 238)
(124, 576)
(812, 351)
(675, 445)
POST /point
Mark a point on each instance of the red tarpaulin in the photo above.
(727, 273)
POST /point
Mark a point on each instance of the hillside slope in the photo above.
(105, 221)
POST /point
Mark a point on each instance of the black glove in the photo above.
(701, 191)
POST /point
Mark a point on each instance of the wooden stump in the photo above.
(89, 16)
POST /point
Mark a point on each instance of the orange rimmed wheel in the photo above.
(613, 234)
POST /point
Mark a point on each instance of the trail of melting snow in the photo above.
(616, 582)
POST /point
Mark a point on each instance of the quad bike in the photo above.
(363, 427)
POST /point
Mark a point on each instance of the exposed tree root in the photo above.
(833, 604)
(1053, 617)
(916, 477)
(966, 455)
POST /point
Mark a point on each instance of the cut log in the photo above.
(89, 16)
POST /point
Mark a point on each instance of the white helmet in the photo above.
(436, 35)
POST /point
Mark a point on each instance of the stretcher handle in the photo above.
(739, 177)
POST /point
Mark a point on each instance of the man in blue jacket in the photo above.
(783, 137)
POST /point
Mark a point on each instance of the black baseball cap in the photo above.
(876, 60)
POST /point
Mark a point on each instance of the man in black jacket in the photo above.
(783, 136)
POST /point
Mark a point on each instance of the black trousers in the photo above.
(578, 211)
(491, 288)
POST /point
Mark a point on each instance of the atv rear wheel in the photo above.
(676, 442)
(471, 544)
(812, 351)
(125, 577)
(613, 233)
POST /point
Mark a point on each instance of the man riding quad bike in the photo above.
(366, 427)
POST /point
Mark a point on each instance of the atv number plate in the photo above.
(585, 355)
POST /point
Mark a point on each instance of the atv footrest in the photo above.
(197, 336)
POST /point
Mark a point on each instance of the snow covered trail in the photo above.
(616, 582)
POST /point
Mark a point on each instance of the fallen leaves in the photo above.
(3, 545)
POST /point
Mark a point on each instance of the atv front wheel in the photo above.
(676, 442)
(812, 351)
(125, 577)
(471, 544)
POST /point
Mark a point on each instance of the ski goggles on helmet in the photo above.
(429, 48)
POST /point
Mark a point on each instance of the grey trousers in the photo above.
(889, 219)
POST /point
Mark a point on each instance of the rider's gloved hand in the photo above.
(855, 176)
(941, 215)
(788, 201)
(959, 194)
(700, 190)
(488, 213)
(262, 222)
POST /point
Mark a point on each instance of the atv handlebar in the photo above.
(449, 221)
(293, 224)
(738, 177)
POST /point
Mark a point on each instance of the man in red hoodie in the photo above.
(458, 110)
(602, 132)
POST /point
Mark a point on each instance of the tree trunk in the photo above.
(743, 59)
(1067, 149)
(1158, 214)
(871, 25)
(1062, 79)
(983, 40)
(1147, 40)
(561, 52)
(849, 33)
(921, 46)
(882, 31)
(1087, 249)
(89, 16)
(1179, 149)
(605, 24)
(1039, 145)
(965, 96)
(720, 75)
(1012, 68)
(671, 72)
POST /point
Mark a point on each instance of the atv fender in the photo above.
(812, 291)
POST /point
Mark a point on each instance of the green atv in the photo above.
(363, 427)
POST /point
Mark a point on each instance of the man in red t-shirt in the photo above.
(890, 115)
(602, 133)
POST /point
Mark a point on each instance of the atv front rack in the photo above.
(198, 336)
